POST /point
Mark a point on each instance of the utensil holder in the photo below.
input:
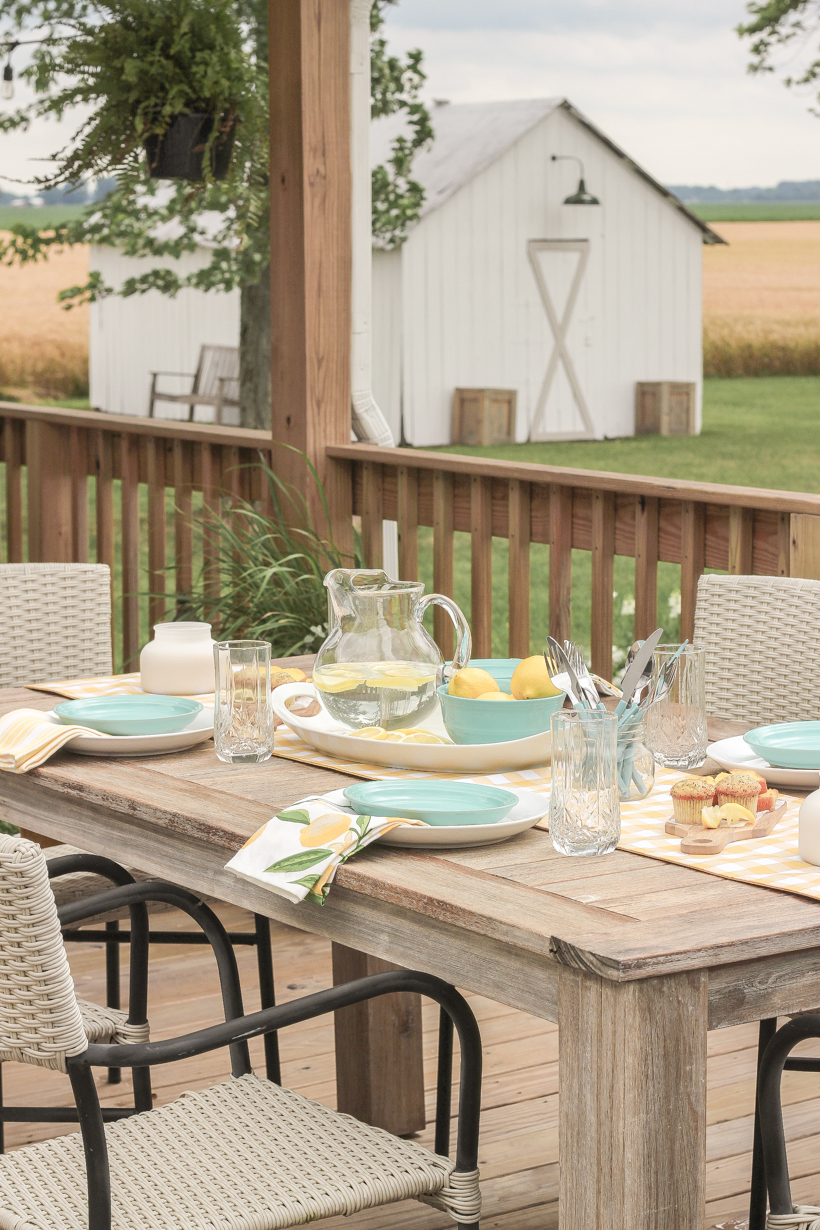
(636, 764)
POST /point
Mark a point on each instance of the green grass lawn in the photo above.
(38, 215)
(757, 211)
(762, 432)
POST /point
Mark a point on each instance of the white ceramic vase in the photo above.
(808, 841)
(179, 661)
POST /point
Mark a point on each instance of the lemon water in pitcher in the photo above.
(378, 666)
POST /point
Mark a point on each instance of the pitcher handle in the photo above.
(464, 641)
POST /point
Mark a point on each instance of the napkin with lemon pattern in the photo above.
(297, 853)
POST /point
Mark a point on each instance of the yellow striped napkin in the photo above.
(28, 737)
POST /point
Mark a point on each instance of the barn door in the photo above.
(561, 411)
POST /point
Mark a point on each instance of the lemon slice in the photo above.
(735, 814)
(392, 736)
(710, 817)
(422, 736)
(369, 732)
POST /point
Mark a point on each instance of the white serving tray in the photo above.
(200, 728)
(735, 755)
(530, 808)
(334, 739)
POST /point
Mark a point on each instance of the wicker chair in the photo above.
(244, 1153)
(737, 619)
(56, 623)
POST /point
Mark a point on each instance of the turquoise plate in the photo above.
(129, 715)
(788, 745)
(440, 803)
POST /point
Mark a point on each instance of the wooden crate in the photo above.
(665, 408)
(483, 416)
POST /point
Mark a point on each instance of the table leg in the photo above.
(379, 1055)
(632, 1102)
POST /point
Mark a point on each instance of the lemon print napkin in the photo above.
(296, 854)
(28, 737)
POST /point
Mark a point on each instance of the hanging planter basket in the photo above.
(179, 152)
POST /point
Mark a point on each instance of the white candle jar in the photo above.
(179, 661)
(808, 830)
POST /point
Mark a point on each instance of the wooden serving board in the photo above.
(695, 839)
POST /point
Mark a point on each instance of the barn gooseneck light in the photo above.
(580, 196)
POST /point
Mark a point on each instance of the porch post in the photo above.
(311, 248)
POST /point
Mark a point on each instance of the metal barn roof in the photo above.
(470, 136)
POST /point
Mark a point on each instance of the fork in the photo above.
(558, 672)
(585, 681)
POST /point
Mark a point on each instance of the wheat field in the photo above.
(43, 348)
(761, 311)
(761, 300)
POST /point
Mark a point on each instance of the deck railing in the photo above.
(83, 485)
(697, 525)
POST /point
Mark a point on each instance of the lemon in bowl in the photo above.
(471, 720)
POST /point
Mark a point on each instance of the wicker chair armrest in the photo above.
(127, 1055)
(157, 890)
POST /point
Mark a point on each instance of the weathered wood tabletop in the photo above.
(636, 959)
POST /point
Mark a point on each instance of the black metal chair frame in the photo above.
(769, 1118)
(237, 1029)
(139, 937)
(112, 937)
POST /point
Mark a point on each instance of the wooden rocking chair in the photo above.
(215, 382)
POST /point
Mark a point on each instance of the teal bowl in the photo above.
(129, 715)
(438, 803)
(489, 721)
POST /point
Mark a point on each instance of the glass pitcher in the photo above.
(378, 666)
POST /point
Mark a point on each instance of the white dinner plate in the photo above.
(735, 755)
(530, 808)
(335, 739)
(197, 731)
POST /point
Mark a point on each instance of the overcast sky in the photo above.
(666, 79)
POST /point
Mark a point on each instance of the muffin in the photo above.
(739, 788)
(689, 797)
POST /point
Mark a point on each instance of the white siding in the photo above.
(130, 338)
(386, 317)
(473, 315)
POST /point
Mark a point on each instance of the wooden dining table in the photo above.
(636, 959)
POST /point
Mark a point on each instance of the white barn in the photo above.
(465, 301)
(462, 302)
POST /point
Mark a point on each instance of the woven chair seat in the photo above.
(243, 1155)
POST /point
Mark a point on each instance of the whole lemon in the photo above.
(471, 682)
(495, 696)
(530, 680)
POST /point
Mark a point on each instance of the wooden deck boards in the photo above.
(519, 1151)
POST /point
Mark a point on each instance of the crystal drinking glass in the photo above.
(676, 725)
(585, 812)
(243, 714)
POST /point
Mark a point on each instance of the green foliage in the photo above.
(272, 574)
(129, 61)
(135, 64)
(778, 24)
(395, 86)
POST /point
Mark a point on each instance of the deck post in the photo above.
(310, 216)
(50, 505)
